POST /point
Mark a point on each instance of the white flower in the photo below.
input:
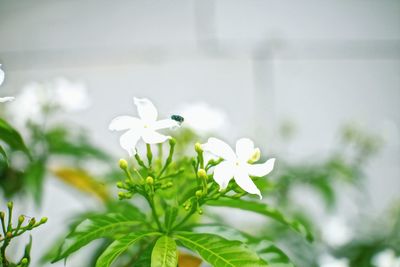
(329, 261)
(386, 258)
(71, 96)
(1, 76)
(31, 100)
(336, 232)
(203, 118)
(144, 127)
(238, 165)
(59, 93)
(7, 98)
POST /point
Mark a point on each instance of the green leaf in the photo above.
(62, 142)
(3, 154)
(271, 253)
(170, 216)
(219, 251)
(263, 209)
(119, 246)
(144, 259)
(12, 137)
(164, 253)
(95, 227)
(263, 247)
(34, 176)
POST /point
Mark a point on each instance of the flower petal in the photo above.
(147, 111)
(219, 148)
(260, 170)
(244, 149)
(152, 137)
(245, 182)
(129, 140)
(124, 123)
(1, 75)
(163, 124)
(6, 99)
(223, 173)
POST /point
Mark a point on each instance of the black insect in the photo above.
(177, 118)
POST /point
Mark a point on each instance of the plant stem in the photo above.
(184, 219)
(140, 161)
(149, 154)
(153, 211)
(3, 226)
(9, 226)
(3, 252)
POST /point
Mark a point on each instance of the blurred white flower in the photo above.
(329, 261)
(71, 96)
(336, 232)
(7, 98)
(238, 165)
(59, 93)
(1, 76)
(386, 258)
(144, 127)
(203, 118)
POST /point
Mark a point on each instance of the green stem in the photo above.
(138, 173)
(9, 226)
(3, 226)
(169, 158)
(170, 175)
(185, 218)
(160, 151)
(153, 211)
(149, 154)
(140, 161)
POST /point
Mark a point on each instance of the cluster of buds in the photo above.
(146, 181)
(202, 193)
(10, 232)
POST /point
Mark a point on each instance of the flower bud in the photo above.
(167, 185)
(199, 211)
(123, 164)
(120, 185)
(255, 156)
(172, 141)
(21, 219)
(121, 195)
(199, 193)
(198, 148)
(128, 182)
(43, 220)
(10, 205)
(2, 214)
(187, 205)
(24, 261)
(8, 235)
(202, 173)
(149, 180)
(32, 222)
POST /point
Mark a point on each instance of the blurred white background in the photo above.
(317, 63)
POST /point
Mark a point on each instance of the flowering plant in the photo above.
(177, 193)
(46, 138)
(12, 139)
